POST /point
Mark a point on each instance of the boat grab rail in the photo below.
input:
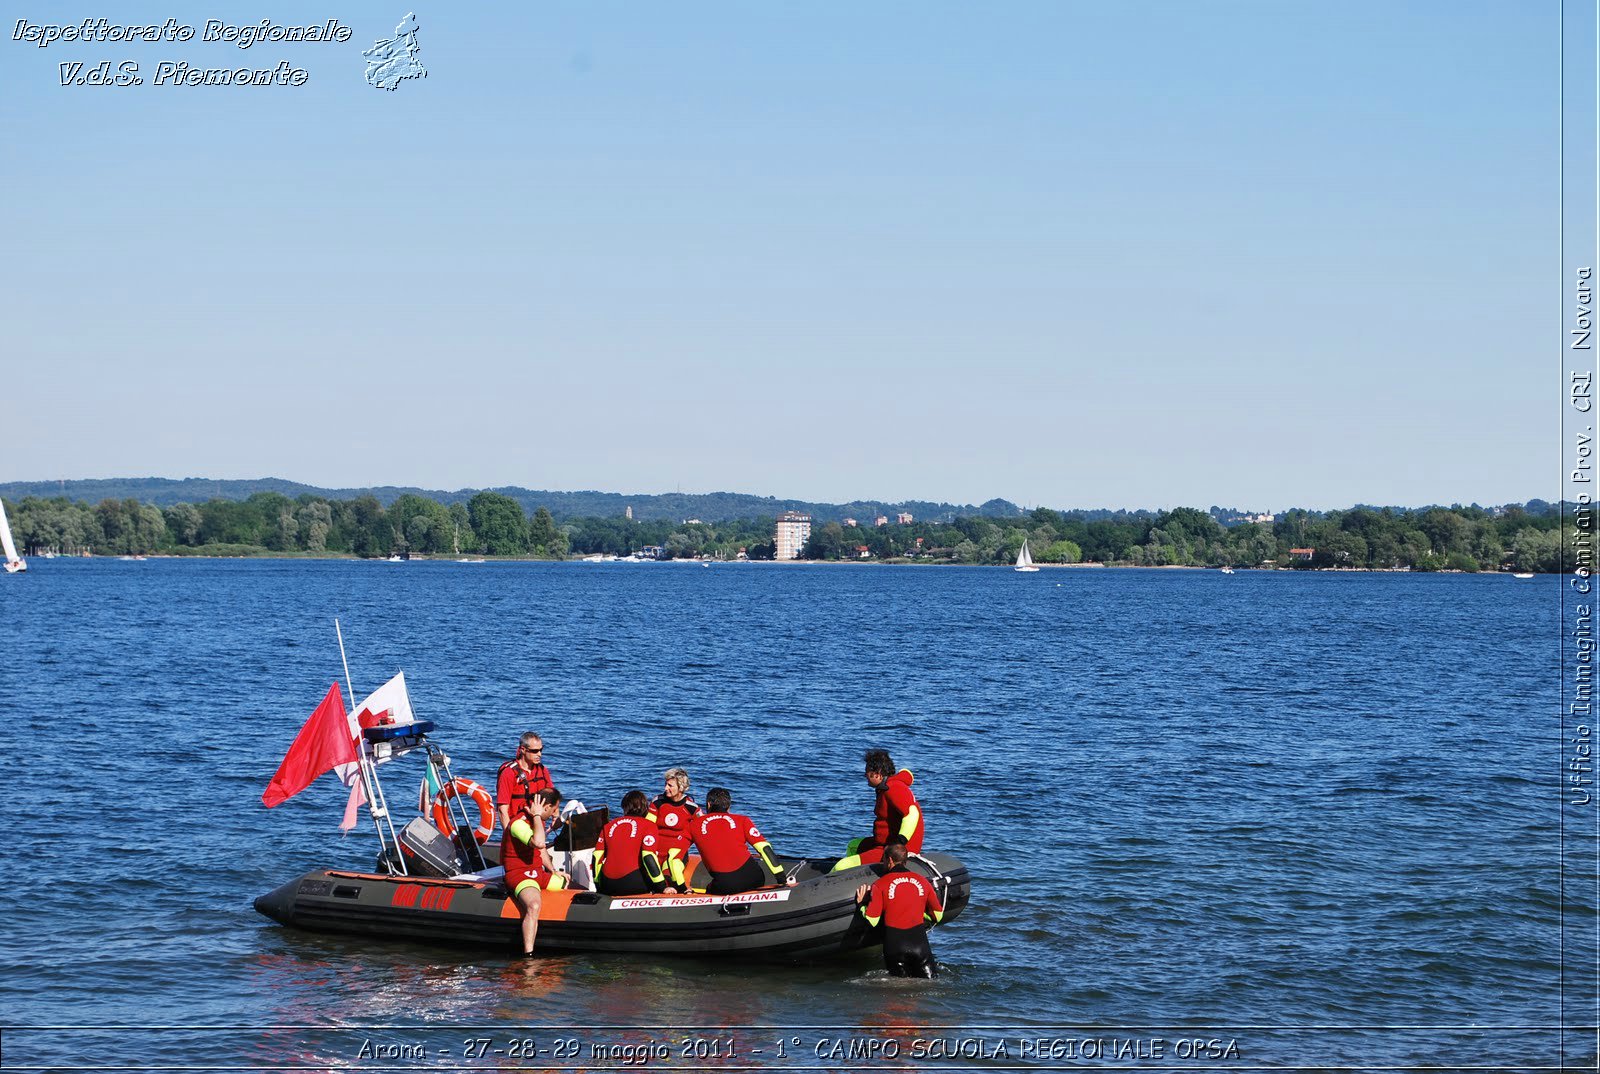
(941, 883)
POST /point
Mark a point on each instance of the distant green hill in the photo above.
(674, 507)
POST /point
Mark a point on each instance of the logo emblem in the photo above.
(390, 62)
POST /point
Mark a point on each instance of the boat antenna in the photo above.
(344, 660)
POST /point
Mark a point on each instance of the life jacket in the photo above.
(528, 783)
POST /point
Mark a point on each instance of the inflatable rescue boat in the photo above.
(437, 877)
(814, 918)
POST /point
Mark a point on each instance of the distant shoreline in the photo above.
(1471, 540)
(477, 560)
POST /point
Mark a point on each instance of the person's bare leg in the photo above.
(529, 899)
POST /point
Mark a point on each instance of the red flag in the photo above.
(322, 744)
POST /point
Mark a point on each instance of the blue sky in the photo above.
(1071, 254)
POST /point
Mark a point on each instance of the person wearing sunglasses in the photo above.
(520, 778)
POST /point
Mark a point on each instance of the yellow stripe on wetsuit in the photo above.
(908, 823)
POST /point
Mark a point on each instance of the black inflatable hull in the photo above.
(814, 919)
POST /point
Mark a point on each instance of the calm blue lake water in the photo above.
(1313, 815)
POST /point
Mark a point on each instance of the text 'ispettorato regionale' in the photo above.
(174, 72)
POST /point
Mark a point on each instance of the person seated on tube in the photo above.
(626, 856)
(895, 813)
(673, 810)
(525, 853)
(721, 836)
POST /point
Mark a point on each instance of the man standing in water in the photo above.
(520, 777)
(906, 904)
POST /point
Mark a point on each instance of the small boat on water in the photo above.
(1227, 570)
(815, 918)
(437, 879)
(1523, 574)
(1025, 559)
(15, 564)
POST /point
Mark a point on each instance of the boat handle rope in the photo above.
(938, 877)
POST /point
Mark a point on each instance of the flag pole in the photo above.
(369, 775)
(345, 661)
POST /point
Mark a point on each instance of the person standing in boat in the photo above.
(673, 811)
(520, 777)
(906, 903)
(896, 812)
(525, 854)
(626, 856)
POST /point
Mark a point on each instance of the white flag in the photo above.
(390, 704)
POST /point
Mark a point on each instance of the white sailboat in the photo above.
(14, 562)
(1025, 558)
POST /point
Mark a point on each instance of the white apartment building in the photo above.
(790, 535)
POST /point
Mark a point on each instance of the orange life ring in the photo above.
(441, 808)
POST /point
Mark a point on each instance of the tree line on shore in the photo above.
(664, 506)
(1438, 538)
(1514, 537)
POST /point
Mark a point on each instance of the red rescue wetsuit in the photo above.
(520, 856)
(905, 901)
(513, 786)
(721, 838)
(895, 802)
(628, 851)
(672, 823)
